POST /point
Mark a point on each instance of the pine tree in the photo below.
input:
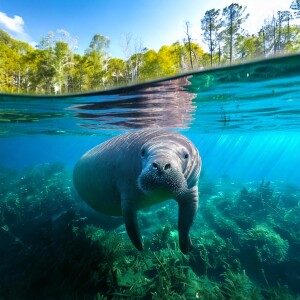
(233, 19)
(211, 25)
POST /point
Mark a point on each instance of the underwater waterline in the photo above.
(245, 121)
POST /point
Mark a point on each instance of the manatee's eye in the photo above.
(143, 152)
(186, 156)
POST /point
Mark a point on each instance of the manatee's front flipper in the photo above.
(129, 213)
(188, 205)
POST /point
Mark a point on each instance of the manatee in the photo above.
(138, 169)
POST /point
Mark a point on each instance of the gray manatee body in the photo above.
(138, 169)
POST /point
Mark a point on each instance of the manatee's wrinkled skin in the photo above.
(138, 169)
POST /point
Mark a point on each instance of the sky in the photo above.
(149, 23)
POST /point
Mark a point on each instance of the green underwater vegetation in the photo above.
(246, 243)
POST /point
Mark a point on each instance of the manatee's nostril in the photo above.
(167, 166)
(154, 165)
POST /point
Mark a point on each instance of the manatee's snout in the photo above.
(161, 166)
(162, 173)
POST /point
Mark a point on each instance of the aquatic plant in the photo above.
(208, 289)
(57, 262)
(37, 193)
(238, 286)
(261, 237)
(164, 236)
(156, 216)
(42, 238)
(217, 220)
(278, 292)
(269, 245)
(291, 216)
(209, 252)
(236, 248)
(173, 278)
(260, 201)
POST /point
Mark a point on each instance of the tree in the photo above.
(211, 25)
(169, 58)
(134, 50)
(95, 58)
(294, 44)
(62, 62)
(12, 63)
(282, 36)
(150, 67)
(233, 18)
(8, 63)
(116, 71)
(177, 52)
(277, 34)
(267, 37)
(79, 82)
(285, 18)
(29, 62)
(194, 53)
(56, 61)
(248, 47)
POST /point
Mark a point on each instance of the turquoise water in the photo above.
(245, 121)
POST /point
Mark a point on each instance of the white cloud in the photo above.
(14, 24)
(15, 27)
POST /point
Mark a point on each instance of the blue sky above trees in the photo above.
(152, 22)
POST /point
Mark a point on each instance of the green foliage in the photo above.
(279, 292)
(55, 252)
(238, 286)
(55, 68)
(256, 227)
(233, 19)
(166, 235)
(208, 289)
(226, 39)
(269, 245)
(116, 71)
(37, 192)
(12, 64)
(211, 25)
(173, 279)
(42, 240)
(96, 62)
(248, 47)
(211, 249)
(291, 216)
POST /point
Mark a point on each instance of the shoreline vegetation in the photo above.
(54, 68)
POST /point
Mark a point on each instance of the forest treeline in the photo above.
(53, 66)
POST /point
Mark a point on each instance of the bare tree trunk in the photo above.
(19, 80)
(274, 35)
(231, 39)
(264, 42)
(211, 43)
(189, 38)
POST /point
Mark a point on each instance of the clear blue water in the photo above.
(244, 119)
